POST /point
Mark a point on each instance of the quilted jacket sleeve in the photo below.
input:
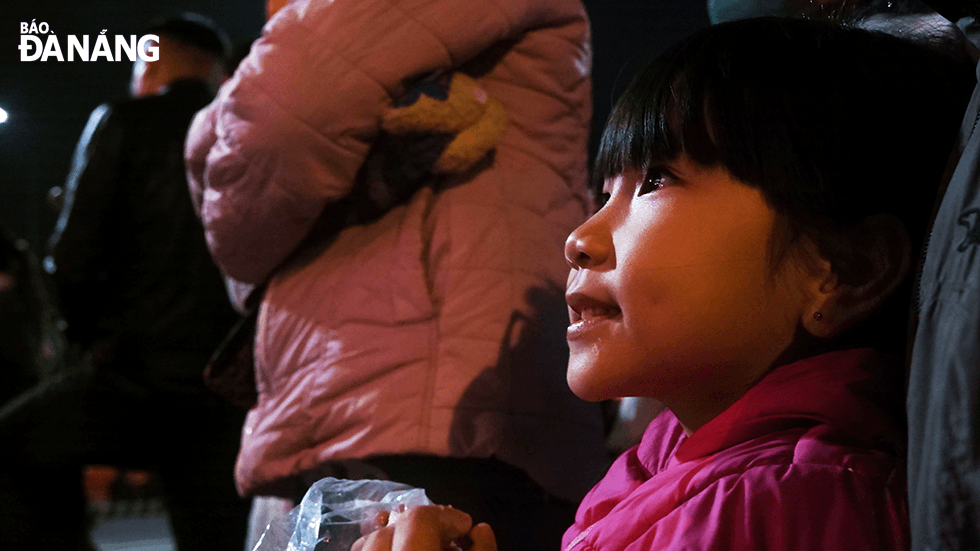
(288, 133)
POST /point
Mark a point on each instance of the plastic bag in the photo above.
(334, 513)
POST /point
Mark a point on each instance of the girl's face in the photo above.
(671, 293)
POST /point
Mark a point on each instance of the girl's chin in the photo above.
(586, 387)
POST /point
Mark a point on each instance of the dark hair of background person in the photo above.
(194, 30)
(847, 124)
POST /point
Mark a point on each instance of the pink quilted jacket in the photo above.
(438, 328)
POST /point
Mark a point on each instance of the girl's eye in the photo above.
(654, 180)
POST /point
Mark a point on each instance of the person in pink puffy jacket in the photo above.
(421, 342)
(763, 185)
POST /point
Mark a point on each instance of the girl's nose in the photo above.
(586, 248)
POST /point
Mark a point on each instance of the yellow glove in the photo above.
(473, 119)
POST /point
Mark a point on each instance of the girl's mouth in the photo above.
(585, 313)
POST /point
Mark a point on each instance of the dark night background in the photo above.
(48, 103)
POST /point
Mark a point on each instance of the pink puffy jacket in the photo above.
(438, 328)
(810, 459)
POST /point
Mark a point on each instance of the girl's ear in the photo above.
(837, 303)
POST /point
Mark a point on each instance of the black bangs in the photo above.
(660, 115)
(728, 95)
(799, 109)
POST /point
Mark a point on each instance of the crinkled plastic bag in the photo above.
(334, 513)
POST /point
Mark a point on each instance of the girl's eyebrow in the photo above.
(676, 166)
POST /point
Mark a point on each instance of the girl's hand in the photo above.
(429, 528)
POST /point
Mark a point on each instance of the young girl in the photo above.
(765, 184)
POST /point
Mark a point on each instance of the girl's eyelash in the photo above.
(654, 180)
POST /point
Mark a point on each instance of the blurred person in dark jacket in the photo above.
(944, 377)
(146, 307)
(32, 345)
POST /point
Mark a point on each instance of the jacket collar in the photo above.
(847, 390)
